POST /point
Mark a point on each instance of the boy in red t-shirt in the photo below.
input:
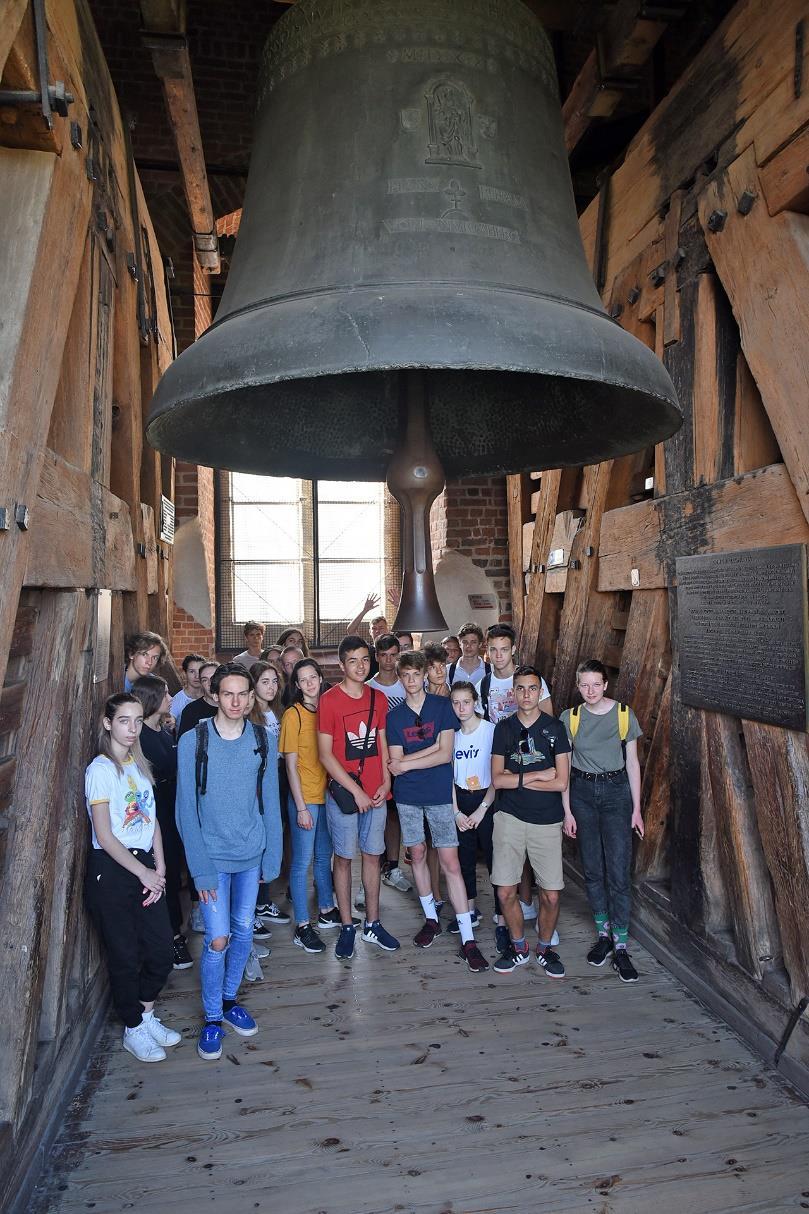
(353, 749)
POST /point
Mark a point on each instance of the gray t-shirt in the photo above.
(597, 745)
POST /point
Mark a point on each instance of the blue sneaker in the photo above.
(210, 1041)
(374, 933)
(241, 1021)
(344, 948)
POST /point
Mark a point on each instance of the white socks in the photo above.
(465, 927)
(428, 906)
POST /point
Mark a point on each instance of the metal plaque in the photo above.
(742, 630)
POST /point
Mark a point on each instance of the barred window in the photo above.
(303, 554)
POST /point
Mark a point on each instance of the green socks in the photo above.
(602, 922)
(620, 936)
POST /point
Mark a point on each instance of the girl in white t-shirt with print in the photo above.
(472, 793)
(126, 878)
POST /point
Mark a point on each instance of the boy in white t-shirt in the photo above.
(471, 666)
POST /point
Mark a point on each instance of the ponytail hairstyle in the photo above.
(108, 712)
(275, 705)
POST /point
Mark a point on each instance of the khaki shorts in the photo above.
(513, 840)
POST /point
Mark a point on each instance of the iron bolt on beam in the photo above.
(716, 220)
(574, 565)
(76, 136)
(589, 550)
(22, 516)
(745, 202)
(633, 295)
(4, 522)
(658, 274)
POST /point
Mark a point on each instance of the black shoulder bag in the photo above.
(343, 797)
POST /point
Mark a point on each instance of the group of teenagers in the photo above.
(451, 752)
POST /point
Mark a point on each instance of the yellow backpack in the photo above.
(623, 723)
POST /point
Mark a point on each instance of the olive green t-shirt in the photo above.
(597, 746)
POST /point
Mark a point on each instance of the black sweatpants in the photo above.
(470, 840)
(137, 938)
(174, 854)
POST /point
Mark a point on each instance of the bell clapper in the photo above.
(415, 478)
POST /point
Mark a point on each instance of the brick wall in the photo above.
(471, 517)
(188, 636)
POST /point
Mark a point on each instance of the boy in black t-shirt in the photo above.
(530, 768)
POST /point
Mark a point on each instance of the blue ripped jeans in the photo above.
(231, 915)
(309, 845)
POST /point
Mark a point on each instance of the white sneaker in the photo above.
(397, 880)
(554, 938)
(159, 1032)
(529, 911)
(197, 922)
(359, 900)
(260, 950)
(141, 1043)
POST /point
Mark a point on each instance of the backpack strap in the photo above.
(575, 720)
(451, 671)
(623, 721)
(485, 688)
(201, 762)
(262, 750)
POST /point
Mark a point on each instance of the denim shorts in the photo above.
(441, 819)
(356, 832)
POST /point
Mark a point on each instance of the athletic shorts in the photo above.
(351, 833)
(513, 839)
(441, 821)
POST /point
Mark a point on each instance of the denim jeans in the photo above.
(603, 813)
(309, 845)
(231, 915)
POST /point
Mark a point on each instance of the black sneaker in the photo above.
(307, 938)
(511, 959)
(271, 913)
(260, 932)
(600, 951)
(182, 958)
(623, 966)
(551, 962)
(331, 918)
(453, 928)
(501, 939)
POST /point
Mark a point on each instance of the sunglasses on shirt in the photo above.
(524, 744)
(419, 728)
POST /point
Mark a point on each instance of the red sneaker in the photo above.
(428, 933)
(473, 957)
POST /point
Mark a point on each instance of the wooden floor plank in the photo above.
(405, 1084)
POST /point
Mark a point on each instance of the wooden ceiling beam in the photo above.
(631, 33)
(164, 36)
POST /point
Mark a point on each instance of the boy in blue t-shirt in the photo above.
(421, 735)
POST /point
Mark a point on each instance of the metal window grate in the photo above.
(302, 553)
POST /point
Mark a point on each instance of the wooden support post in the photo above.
(779, 766)
(741, 858)
(543, 530)
(763, 262)
(646, 657)
(46, 200)
(518, 495)
(652, 855)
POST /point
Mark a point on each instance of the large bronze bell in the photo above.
(409, 264)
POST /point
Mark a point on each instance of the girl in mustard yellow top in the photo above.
(311, 841)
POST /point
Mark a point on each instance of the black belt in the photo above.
(598, 775)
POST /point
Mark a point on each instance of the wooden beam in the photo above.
(785, 178)
(625, 45)
(779, 766)
(173, 67)
(518, 496)
(81, 534)
(543, 530)
(763, 262)
(739, 90)
(46, 201)
(652, 854)
(740, 512)
(646, 657)
(744, 869)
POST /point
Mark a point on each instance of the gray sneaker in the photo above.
(252, 970)
(396, 879)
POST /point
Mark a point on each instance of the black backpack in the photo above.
(201, 762)
(485, 688)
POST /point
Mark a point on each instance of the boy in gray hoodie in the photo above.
(228, 815)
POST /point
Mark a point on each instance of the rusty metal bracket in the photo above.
(52, 98)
